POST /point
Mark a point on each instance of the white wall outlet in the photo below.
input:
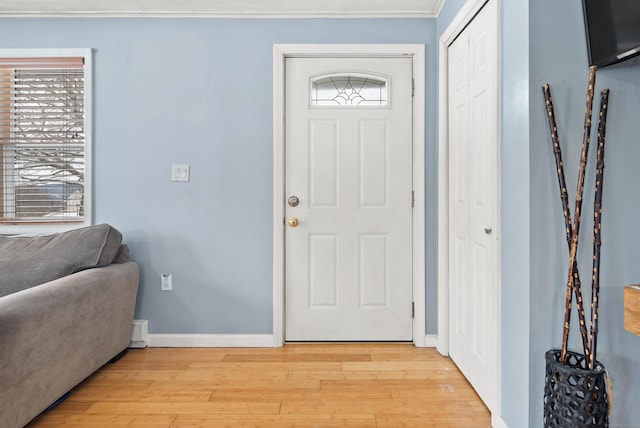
(180, 173)
(165, 284)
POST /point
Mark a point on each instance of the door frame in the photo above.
(280, 53)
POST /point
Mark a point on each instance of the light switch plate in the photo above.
(180, 173)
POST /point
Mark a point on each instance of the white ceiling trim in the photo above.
(222, 8)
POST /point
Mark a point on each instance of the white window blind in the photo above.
(42, 140)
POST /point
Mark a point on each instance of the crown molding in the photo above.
(221, 8)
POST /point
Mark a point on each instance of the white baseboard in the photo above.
(497, 422)
(431, 341)
(211, 341)
(141, 338)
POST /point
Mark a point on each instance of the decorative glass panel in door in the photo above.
(349, 90)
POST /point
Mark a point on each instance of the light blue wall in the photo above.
(558, 56)
(449, 10)
(199, 91)
(514, 212)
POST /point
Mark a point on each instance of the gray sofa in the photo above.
(66, 308)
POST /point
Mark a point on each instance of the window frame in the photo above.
(53, 227)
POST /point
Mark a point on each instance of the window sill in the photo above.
(40, 228)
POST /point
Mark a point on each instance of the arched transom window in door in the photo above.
(349, 90)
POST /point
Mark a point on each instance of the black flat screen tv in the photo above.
(613, 30)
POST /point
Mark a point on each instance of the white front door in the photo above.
(473, 172)
(348, 182)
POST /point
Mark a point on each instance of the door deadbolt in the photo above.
(293, 201)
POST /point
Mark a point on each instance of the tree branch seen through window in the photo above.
(42, 142)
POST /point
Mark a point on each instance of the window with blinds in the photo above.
(42, 140)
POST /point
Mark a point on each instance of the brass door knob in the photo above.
(293, 221)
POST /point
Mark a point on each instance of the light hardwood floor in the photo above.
(298, 385)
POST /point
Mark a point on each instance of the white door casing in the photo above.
(416, 52)
(473, 299)
(348, 260)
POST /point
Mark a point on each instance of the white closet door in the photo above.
(473, 199)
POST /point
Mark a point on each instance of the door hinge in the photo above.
(413, 198)
(413, 309)
(413, 87)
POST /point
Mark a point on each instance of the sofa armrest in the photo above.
(56, 334)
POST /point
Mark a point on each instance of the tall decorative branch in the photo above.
(564, 196)
(578, 211)
(597, 221)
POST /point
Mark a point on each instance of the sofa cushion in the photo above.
(122, 256)
(29, 261)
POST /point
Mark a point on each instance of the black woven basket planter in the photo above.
(574, 397)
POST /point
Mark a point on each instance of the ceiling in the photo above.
(221, 8)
